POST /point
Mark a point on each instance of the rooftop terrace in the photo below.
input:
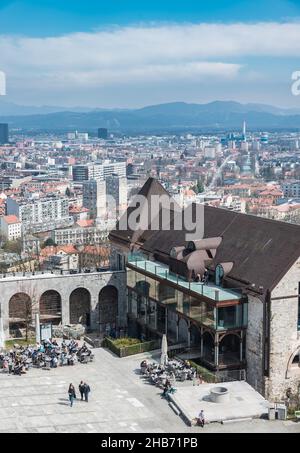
(161, 271)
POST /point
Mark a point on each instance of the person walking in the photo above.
(72, 394)
(201, 419)
(86, 392)
(81, 389)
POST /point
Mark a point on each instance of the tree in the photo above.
(48, 243)
(198, 188)
(13, 246)
(68, 192)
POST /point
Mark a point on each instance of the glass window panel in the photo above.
(152, 287)
(152, 314)
(166, 294)
(230, 317)
(130, 278)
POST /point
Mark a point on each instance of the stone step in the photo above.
(175, 408)
(236, 420)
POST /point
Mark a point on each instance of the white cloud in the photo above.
(143, 53)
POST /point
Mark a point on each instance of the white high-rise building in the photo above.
(94, 197)
(116, 187)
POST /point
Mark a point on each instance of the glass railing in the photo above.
(160, 270)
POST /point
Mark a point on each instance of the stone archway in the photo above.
(293, 365)
(195, 335)
(50, 307)
(208, 347)
(80, 307)
(20, 314)
(229, 349)
(183, 330)
(108, 308)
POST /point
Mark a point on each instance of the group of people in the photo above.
(203, 279)
(84, 390)
(47, 354)
(164, 376)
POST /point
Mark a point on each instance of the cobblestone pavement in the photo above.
(120, 401)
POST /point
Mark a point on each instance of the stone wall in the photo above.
(36, 285)
(254, 343)
(284, 336)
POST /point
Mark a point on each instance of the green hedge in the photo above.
(207, 375)
(137, 348)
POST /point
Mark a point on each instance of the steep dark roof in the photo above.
(262, 250)
(151, 188)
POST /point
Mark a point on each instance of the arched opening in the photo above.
(208, 347)
(50, 307)
(108, 309)
(183, 331)
(80, 307)
(195, 336)
(20, 314)
(229, 350)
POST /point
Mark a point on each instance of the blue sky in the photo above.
(54, 17)
(128, 53)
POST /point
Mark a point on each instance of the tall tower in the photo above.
(244, 130)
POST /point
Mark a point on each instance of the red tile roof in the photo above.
(11, 219)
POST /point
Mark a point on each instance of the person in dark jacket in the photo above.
(72, 394)
(86, 392)
(81, 389)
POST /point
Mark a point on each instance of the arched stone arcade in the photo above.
(50, 307)
(20, 313)
(80, 307)
(108, 308)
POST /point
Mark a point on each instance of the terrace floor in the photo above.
(120, 401)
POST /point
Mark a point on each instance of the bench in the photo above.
(297, 415)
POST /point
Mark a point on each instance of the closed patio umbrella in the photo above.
(164, 351)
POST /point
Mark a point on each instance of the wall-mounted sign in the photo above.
(46, 331)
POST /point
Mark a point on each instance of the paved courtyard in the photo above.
(120, 401)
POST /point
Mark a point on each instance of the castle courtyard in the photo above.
(120, 402)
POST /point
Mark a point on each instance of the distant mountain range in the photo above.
(218, 115)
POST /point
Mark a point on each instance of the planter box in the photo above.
(131, 350)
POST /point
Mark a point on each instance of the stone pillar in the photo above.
(65, 309)
(216, 351)
(37, 328)
(166, 321)
(177, 329)
(241, 347)
(189, 334)
(201, 343)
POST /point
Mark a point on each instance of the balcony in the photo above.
(161, 271)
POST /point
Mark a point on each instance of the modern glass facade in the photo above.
(206, 318)
(144, 293)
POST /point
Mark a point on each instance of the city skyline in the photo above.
(129, 56)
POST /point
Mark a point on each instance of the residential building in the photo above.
(11, 227)
(94, 197)
(102, 133)
(116, 187)
(3, 133)
(40, 214)
(78, 235)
